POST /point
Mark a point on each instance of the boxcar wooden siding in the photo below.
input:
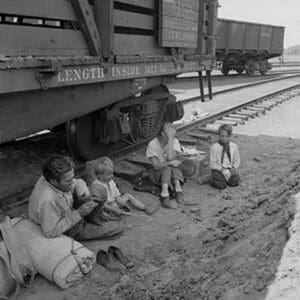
(179, 23)
(39, 9)
(133, 20)
(19, 40)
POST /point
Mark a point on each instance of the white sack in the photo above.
(52, 257)
(7, 283)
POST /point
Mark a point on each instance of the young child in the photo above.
(163, 151)
(224, 160)
(104, 169)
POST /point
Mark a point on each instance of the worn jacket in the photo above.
(53, 209)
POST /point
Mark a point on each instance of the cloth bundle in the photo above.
(7, 283)
(16, 267)
(61, 260)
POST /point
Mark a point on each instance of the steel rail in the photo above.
(240, 87)
(243, 76)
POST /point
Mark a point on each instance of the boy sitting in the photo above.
(224, 160)
(104, 169)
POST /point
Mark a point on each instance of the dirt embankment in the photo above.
(219, 245)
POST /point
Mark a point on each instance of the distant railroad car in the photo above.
(98, 69)
(244, 46)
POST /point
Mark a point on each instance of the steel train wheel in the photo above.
(80, 139)
(225, 70)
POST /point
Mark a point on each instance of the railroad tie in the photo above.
(187, 141)
(249, 113)
(221, 122)
(239, 117)
(199, 136)
(266, 107)
(139, 159)
(268, 103)
(210, 128)
(259, 110)
(239, 121)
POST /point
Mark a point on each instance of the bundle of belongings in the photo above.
(16, 267)
(25, 251)
(61, 260)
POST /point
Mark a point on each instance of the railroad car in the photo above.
(98, 68)
(244, 46)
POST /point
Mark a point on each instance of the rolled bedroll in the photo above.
(61, 260)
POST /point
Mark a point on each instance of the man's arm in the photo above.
(53, 223)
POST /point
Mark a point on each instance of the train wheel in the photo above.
(80, 138)
(225, 70)
(240, 71)
(250, 67)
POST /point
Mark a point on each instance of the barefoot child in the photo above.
(104, 169)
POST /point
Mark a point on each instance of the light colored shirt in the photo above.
(216, 157)
(53, 209)
(155, 149)
(111, 188)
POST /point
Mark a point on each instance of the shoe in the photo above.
(108, 261)
(167, 203)
(120, 257)
(179, 197)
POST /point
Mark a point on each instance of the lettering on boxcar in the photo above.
(80, 74)
(98, 74)
(179, 23)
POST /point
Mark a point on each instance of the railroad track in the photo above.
(188, 134)
(244, 76)
(240, 87)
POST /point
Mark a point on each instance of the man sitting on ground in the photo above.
(224, 160)
(51, 204)
(163, 152)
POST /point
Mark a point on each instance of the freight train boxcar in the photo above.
(244, 46)
(98, 68)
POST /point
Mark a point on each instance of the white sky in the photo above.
(275, 12)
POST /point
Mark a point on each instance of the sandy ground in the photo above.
(219, 245)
